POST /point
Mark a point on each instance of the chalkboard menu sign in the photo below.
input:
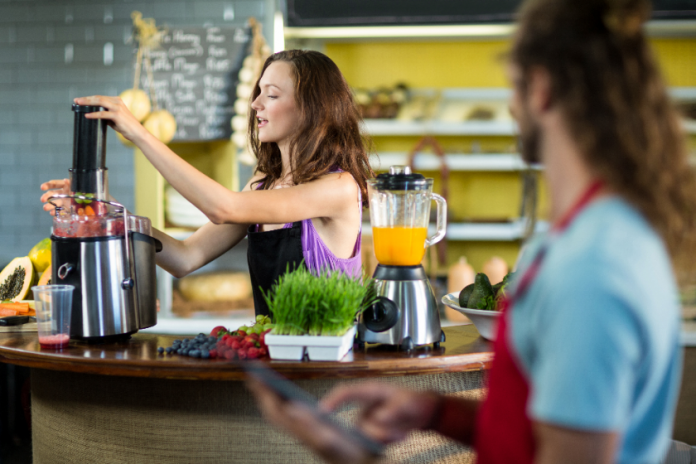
(195, 76)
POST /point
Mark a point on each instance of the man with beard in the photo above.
(587, 362)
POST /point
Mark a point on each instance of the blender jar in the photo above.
(399, 214)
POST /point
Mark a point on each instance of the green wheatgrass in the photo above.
(328, 304)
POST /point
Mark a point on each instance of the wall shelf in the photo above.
(468, 231)
(381, 127)
(455, 162)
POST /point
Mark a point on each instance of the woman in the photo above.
(304, 202)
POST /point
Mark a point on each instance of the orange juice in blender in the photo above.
(399, 246)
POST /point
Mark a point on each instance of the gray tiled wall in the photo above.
(38, 81)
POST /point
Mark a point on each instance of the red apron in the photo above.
(504, 432)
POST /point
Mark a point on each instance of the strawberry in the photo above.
(254, 336)
(253, 353)
(263, 351)
(230, 355)
(235, 345)
(216, 331)
(241, 333)
(242, 354)
(213, 354)
(226, 337)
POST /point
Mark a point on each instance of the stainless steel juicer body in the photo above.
(97, 246)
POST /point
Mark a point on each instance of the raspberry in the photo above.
(230, 355)
(213, 354)
(242, 354)
(253, 353)
(235, 345)
(254, 336)
(226, 337)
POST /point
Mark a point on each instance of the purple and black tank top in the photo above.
(272, 252)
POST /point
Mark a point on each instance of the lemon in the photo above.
(40, 255)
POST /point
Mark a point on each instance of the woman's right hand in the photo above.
(53, 187)
(117, 115)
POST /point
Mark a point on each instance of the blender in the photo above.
(107, 254)
(406, 312)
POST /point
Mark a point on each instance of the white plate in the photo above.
(486, 322)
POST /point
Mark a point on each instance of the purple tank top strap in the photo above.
(317, 255)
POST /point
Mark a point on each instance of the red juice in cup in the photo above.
(54, 342)
(53, 310)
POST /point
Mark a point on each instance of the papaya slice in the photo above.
(16, 279)
(45, 278)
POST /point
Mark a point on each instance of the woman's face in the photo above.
(276, 110)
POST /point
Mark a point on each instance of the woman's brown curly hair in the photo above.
(329, 134)
(606, 82)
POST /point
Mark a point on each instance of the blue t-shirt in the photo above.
(597, 333)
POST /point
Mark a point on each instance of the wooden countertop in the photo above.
(464, 350)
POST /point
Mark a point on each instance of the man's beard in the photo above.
(529, 139)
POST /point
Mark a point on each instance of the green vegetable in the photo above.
(496, 288)
(464, 295)
(482, 290)
(81, 201)
(327, 304)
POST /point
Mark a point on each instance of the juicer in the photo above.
(106, 253)
(406, 312)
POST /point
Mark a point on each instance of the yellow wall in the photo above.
(443, 64)
(469, 63)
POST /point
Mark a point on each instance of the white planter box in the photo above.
(319, 348)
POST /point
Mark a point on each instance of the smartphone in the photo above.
(291, 392)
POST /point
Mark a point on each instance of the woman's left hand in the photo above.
(117, 115)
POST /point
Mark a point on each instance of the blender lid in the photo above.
(400, 178)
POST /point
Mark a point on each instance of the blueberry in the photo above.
(205, 354)
(212, 339)
(176, 341)
(195, 353)
(160, 350)
(169, 350)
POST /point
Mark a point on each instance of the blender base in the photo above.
(405, 313)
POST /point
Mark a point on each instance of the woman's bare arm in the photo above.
(330, 197)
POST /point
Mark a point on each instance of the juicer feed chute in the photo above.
(406, 312)
(106, 253)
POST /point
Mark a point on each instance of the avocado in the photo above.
(464, 295)
(482, 290)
